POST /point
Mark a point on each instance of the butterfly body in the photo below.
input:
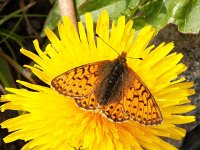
(113, 87)
(114, 82)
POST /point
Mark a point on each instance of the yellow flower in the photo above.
(54, 121)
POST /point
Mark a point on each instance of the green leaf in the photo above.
(114, 7)
(92, 5)
(131, 9)
(154, 12)
(188, 16)
(159, 13)
(53, 18)
(6, 77)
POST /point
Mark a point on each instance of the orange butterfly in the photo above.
(112, 87)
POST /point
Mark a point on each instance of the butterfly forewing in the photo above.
(80, 81)
(139, 103)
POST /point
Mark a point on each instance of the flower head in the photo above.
(55, 121)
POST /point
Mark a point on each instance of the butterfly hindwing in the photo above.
(80, 81)
(114, 111)
(89, 102)
(139, 103)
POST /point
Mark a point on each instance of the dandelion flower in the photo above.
(55, 121)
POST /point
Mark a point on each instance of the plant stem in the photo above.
(67, 9)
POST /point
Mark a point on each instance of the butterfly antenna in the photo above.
(106, 43)
(113, 48)
(135, 58)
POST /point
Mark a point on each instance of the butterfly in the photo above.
(113, 87)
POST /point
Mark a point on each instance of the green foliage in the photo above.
(185, 14)
(10, 69)
(158, 13)
(5, 74)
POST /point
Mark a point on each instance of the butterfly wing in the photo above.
(139, 103)
(114, 111)
(89, 102)
(80, 81)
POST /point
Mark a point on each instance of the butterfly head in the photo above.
(122, 58)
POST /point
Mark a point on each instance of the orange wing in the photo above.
(89, 102)
(139, 103)
(114, 111)
(80, 81)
